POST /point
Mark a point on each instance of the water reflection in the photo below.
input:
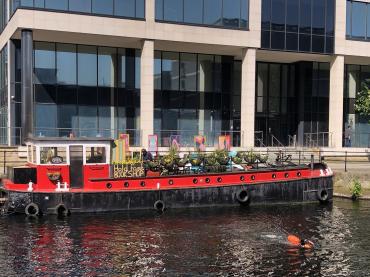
(233, 241)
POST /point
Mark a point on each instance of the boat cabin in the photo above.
(70, 161)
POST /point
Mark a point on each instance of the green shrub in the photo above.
(356, 189)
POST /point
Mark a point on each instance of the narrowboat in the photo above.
(66, 176)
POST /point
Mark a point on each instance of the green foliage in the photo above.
(356, 189)
(362, 104)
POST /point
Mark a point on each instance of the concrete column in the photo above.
(150, 10)
(26, 78)
(147, 91)
(336, 101)
(248, 92)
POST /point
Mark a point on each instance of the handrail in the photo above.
(278, 143)
(292, 141)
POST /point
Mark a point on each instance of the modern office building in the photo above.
(265, 72)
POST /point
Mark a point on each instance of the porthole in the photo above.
(170, 182)
(142, 184)
(208, 180)
(195, 181)
(219, 179)
(109, 185)
(126, 184)
(274, 176)
(299, 174)
(286, 175)
(242, 178)
(253, 177)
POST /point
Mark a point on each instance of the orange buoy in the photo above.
(294, 240)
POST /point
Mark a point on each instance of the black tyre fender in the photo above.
(32, 209)
(323, 195)
(61, 210)
(159, 206)
(243, 197)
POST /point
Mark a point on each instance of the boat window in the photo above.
(53, 155)
(95, 155)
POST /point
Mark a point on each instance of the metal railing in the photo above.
(275, 142)
(318, 139)
(258, 139)
(185, 138)
(292, 141)
(357, 140)
(14, 133)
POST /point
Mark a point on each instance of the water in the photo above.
(212, 242)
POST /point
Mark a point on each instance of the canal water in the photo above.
(208, 242)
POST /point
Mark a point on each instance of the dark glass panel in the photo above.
(157, 70)
(265, 39)
(278, 15)
(213, 12)
(159, 9)
(292, 41)
(27, 3)
(66, 64)
(318, 17)
(67, 95)
(18, 60)
(56, 4)
(124, 8)
(173, 10)
(45, 94)
(266, 14)
(39, 3)
(244, 16)
(137, 68)
(87, 96)
(330, 17)
(358, 20)
(305, 16)
(304, 43)
(188, 72)
(130, 69)
(193, 11)
(87, 65)
(44, 63)
(318, 44)
(277, 40)
(329, 45)
(231, 13)
(67, 119)
(292, 16)
(80, 5)
(170, 71)
(102, 7)
(205, 77)
(46, 125)
(88, 122)
(140, 9)
(17, 92)
(368, 22)
(348, 18)
(106, 67)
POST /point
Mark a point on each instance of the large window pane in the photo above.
(188, 72)
(173, 10)
(205, 79)
(348, 20)
(277, 40)
(358, 20)
(46, 125)
(244, 13)
(193, 11)
(292, 41)
(124, 8)
(213, 12)
(292, 16)
(66, 64)
(39, 3)
(278, 15)
(137, 69)
(87, 65)
(27, 3)
(159, 9)
(106, 66)
(44, 63)
(368, 22)
(318, 17)
(231, 13)
(140, 8)
(56, 4)
(157, 70)
(102, 6)
(170, 71)
(330, 9)
(266, 14)
(305, 16)
(121, 59)
(80, 5)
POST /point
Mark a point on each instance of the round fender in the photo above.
(61, 210)
(32, 209)
(243, 197)
(159, 206)
(323, 195)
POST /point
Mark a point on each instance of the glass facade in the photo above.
(298, 25)
(355, 126)
(358, 20)
(218, 13)
(3, 14)
(291, 100)
(85, 90)
(119, 8)
(196, 94)
(4, 95)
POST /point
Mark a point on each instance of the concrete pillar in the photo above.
(248, 92)
(147, 91)
(336, 101)
(150, 10)
(26, 78)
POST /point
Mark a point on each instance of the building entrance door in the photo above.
(76, 167)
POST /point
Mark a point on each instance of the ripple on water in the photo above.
(218, 242)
